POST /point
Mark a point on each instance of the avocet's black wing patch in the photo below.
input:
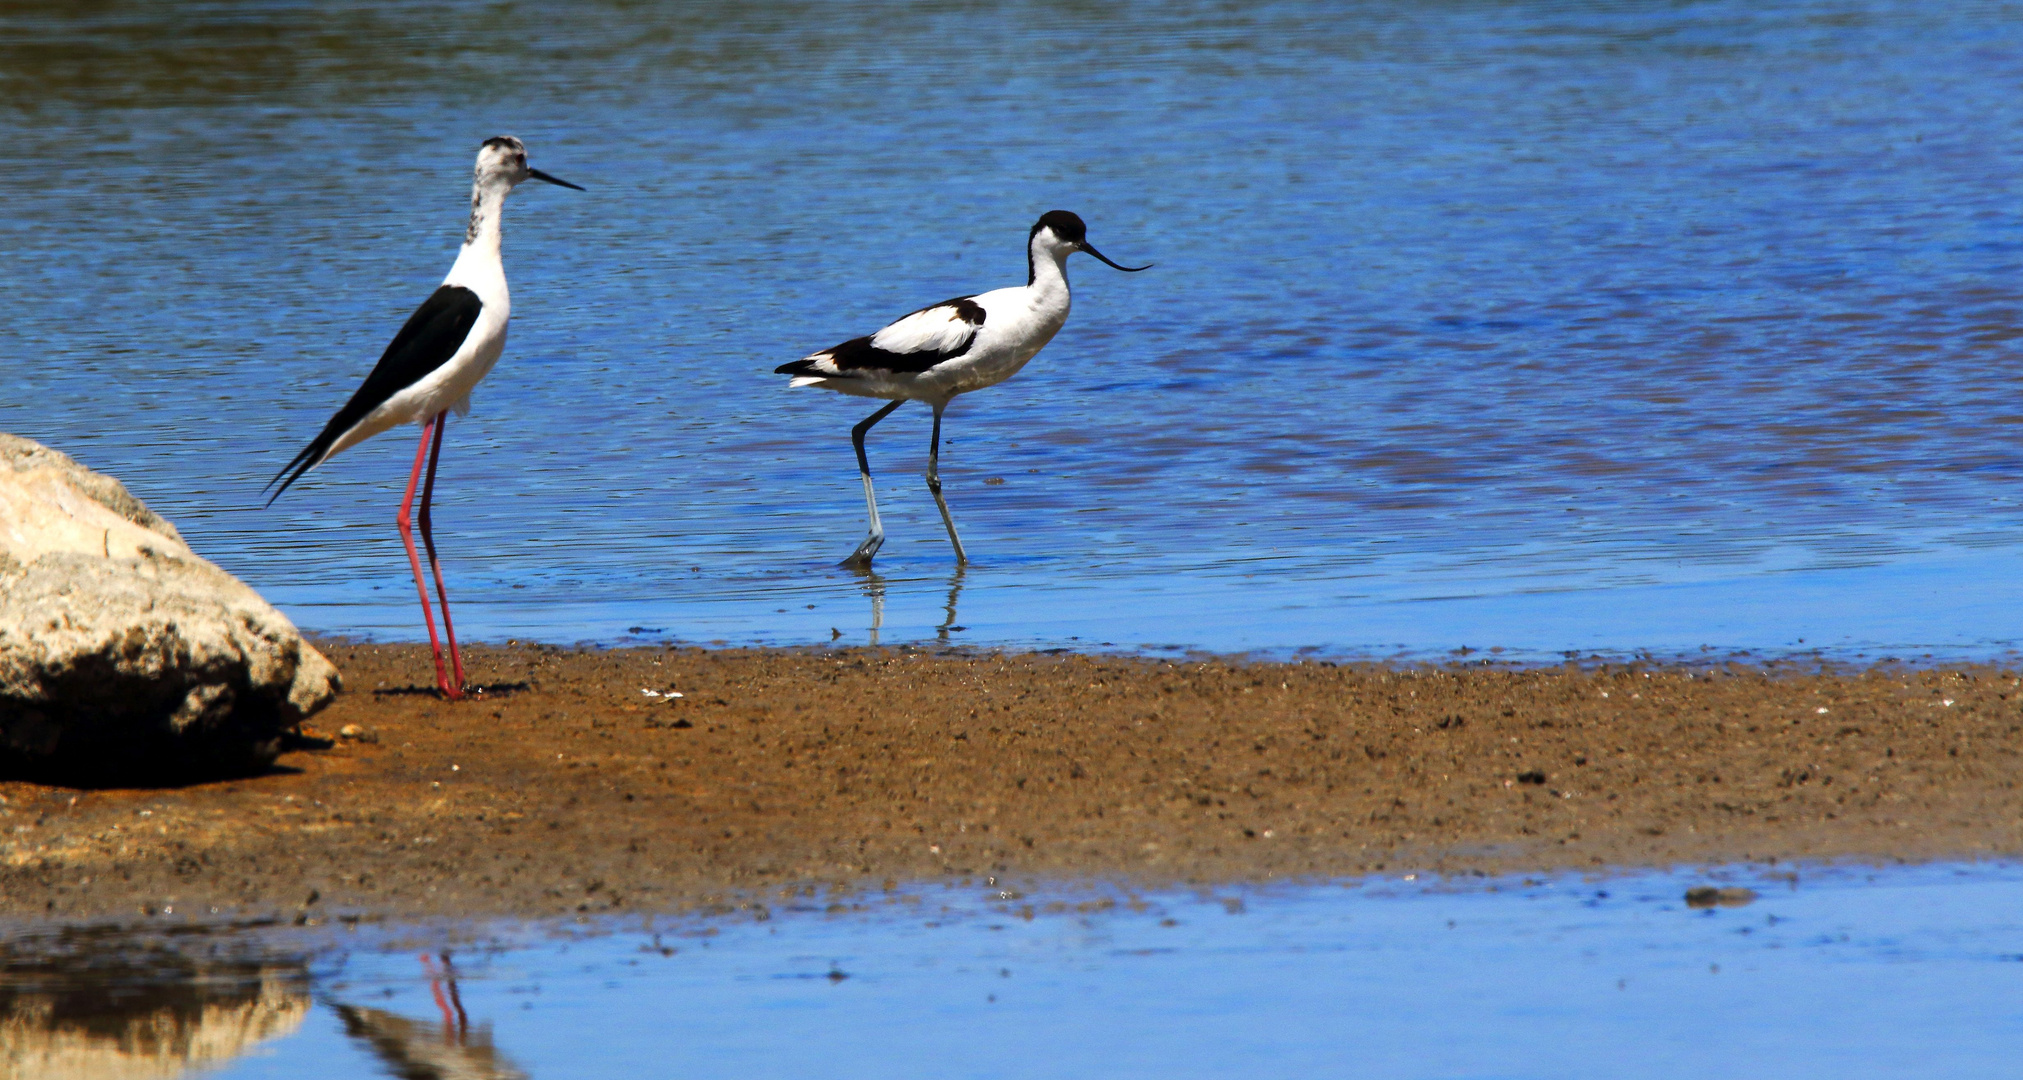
(912, 344)
(432, 335)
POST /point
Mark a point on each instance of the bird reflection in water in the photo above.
(874, 587)
(874, 590)
(954, 592)
(408, 1050)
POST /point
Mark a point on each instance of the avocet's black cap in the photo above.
(1066, 225)
(1069, 227)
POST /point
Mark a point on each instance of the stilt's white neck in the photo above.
(488, 209)
(478, 265)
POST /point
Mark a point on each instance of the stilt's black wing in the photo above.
(433, 334)
(912, 344)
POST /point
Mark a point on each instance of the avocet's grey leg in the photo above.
(862, 556)
(934, 483)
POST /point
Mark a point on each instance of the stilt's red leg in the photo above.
(435, 986)
(428, 539)
(414, 560)
(456, 1000)
(455, 1024)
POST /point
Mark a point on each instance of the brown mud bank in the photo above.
(568, 787)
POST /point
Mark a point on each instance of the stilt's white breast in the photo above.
(449, 386)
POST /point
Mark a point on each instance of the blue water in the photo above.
(1539, 326)
(1905, 972)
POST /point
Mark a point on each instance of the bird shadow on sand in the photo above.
(477, 692)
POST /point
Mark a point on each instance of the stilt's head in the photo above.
(1059, 234)
(502, 162)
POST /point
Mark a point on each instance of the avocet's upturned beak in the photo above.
(1090, 248)
(536, 174)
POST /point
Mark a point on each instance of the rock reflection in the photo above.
(106, 1006)
(417, 1050)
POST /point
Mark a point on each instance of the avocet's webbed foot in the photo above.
(861, 558)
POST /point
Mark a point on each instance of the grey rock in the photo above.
(123, 654)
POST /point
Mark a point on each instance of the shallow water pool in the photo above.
(1903, 971)
(1544, 326)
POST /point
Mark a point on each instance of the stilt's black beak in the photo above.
(537, 174)
(1086, 246)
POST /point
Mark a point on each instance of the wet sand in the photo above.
(566, 789)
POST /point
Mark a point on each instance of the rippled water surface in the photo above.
(1541, 326)
(1898, 973)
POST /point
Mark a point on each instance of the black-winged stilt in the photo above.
(954, 347)
(447, 345)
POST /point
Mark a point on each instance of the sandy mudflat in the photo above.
(567, 789)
